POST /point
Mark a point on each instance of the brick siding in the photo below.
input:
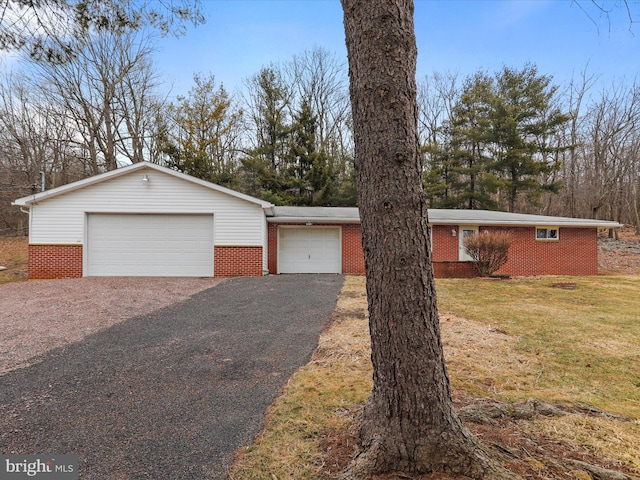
(574, 253)
(444, 244)
(237, 261)
(54, 261)
(454, 270)
(352, 253)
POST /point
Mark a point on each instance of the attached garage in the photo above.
(151, 245)
(309, 250)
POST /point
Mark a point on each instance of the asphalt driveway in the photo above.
(169, 395)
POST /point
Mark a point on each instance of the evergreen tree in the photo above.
(309, 170)
(523, 119)
(289, 164)
(203, 134)
(499, 145)
(458, 176)
(472, 182)
(265, 166)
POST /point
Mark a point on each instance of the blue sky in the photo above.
(461, 36)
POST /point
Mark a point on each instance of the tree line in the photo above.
(515, 141)
(507, 140)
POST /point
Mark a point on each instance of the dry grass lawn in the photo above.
(13, 256)
(505, 342)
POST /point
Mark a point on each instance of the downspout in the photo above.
(28, 212)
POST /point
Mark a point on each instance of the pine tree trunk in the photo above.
(409, 423)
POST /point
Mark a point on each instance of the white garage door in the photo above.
(150, 245)
(309, 250)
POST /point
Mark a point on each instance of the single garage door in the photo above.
(309, 250)
(150, 245)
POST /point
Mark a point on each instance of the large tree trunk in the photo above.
(409, 423)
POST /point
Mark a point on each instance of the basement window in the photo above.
(547, 233)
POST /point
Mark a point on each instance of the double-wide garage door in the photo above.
(150, 245)
(309, 250)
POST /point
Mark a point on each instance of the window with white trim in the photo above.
(547, 233)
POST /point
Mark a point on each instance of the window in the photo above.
(546, 233)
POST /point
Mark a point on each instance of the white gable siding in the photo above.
(62, 219)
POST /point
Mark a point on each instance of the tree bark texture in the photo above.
(409, 423)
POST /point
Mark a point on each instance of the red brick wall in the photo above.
(454, 270)
(575, 253)
(272, 250)
(352, 255)
(237, 261)
(54, 261)
(444, 245)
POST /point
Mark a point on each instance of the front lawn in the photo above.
(506, 341)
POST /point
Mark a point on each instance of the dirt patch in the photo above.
(509, 440)
(619, 256)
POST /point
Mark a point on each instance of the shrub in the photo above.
(488, 250)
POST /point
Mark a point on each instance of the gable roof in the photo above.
(436, 217)
(129, 169)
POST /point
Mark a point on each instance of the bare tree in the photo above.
(270, 103)
(575, 98)
(139, 105)
(321, 79)
(106, 90)
(409, 423)
(609, 160)
(33, 150)
(438, 93)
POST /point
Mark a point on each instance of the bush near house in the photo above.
(489, 251)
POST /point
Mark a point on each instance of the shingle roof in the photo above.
(436, 217)
(309, 214)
